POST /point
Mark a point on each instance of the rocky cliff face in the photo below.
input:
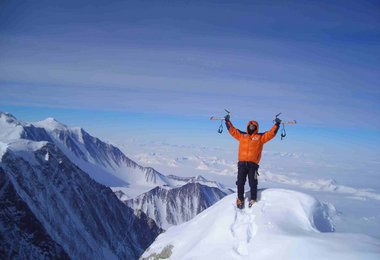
(22, 235)
(174, 206)
(69, 214)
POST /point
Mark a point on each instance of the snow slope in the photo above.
(284, 224)
(351, 185)
(104, 162)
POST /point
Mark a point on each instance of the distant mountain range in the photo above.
(58, 177)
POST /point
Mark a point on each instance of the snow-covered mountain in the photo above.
(201, 180)
(284, 224)
(187, 196)
(104, 162)
(50, 208)
(175, 206)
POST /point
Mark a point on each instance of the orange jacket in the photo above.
(251, 146)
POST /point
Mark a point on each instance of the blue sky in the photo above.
(160, 69)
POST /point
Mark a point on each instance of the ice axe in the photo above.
(283, 131)
(220, 130)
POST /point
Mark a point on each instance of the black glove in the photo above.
(277, 121)
(227, 118)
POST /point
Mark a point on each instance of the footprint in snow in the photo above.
(243, 230)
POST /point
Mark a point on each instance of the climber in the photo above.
(250, 147)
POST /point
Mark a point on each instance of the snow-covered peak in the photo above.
(283, 224)
(179, 181)
(51, 124)
(10, 127)
(9, 118)
(200, 178)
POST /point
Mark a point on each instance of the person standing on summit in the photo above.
(250, 147)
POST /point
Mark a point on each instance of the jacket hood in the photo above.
(254, 123)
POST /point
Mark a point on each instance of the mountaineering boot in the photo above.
(239, 203)
(251, 202)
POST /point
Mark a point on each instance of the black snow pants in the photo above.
(244, 169)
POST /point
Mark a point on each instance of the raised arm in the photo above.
(269, 135)
(232, 130)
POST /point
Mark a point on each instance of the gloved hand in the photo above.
(277, 121)
(227, 118)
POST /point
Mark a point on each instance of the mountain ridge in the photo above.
(105, 163)
(175, 206)
(82, 216)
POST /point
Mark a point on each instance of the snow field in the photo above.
(283, 224)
